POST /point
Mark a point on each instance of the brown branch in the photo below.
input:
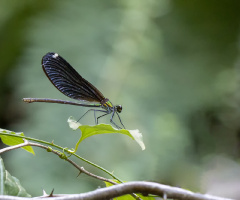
(81, 169)
(131, 187)
(142, 187)
(26, 143)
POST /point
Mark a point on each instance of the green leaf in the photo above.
(10, 185)
(128, 197)
(88, 131)
(11, 140)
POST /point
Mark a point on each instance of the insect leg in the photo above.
(106, 113)
(87, 112)
(120, 121)
(111, 120)
(95, 116)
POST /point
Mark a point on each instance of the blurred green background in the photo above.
(173, 65)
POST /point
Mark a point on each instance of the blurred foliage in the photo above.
(13, 25)
(10, 185)
(173, 65)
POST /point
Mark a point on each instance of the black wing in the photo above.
(66, 79)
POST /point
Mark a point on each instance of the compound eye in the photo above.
(119, 108)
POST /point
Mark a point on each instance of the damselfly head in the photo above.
(119, 108)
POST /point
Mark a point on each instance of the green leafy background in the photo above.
(172, 65)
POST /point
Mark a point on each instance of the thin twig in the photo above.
(59, 147)
(81, 169)
(26, 143)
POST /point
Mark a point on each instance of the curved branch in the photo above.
(132, 187)
(144, 188)
(120, 189)
(26, 143)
